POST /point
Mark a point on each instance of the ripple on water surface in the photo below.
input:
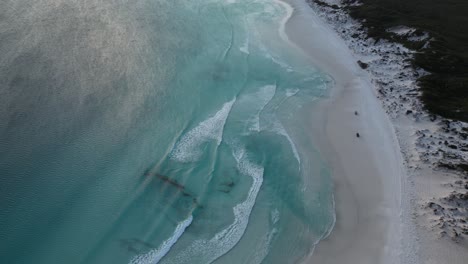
(200, 154)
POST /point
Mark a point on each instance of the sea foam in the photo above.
(279, 128)
(155, 255)
(188, 148)
(262, 98)
(207, 251)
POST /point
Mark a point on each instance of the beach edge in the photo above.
(359, 141)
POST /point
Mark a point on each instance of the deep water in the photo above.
(157, 131)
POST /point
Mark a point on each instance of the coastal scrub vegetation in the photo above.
(445, 89)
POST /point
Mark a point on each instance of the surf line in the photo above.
(289, 13)
(155, 255)
(282, 28)
(207, 251)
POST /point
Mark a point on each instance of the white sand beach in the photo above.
(367, 169)
(394, 204)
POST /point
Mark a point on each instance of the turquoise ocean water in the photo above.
(188, 145)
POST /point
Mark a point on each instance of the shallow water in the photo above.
(157, 132)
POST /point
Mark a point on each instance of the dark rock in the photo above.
(464, 196)
(363, 65)
(453, 146)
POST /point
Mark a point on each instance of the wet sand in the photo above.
(367, 169)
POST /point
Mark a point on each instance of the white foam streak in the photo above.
(263, 97)
(275, 216)
(289, 12)
(188, 148)
(279, 128)
(263, 247)
(291, 92)
(245, 47)
(155, 255)
(207, 251)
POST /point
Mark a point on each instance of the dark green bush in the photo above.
(445, 90)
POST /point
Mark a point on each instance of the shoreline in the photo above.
(368, 208)
(434, 197)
